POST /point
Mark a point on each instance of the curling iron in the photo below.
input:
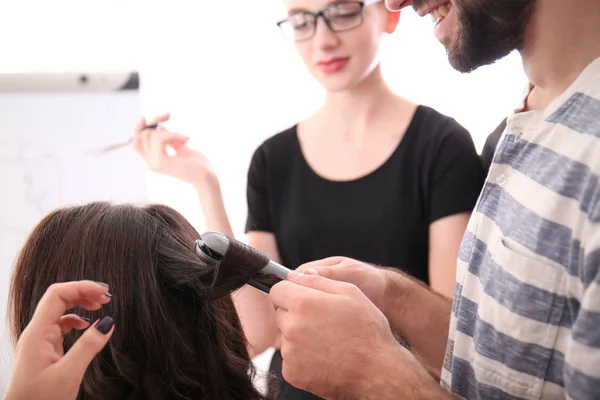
(212, 247)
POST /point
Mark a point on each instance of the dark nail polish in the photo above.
(102, 284)
(105, 324)
(108, 294)
(85, 318)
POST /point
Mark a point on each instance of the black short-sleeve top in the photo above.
(381, 218)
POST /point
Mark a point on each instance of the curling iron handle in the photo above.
(274, 268)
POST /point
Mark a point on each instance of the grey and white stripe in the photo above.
(526, 313)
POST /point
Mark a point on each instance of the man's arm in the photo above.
(399, 375)
(420, 316)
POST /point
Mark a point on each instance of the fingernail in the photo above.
(293, 275)
(105, 325)
(108, 294)
(102, 284)
(85, 318)
(311, 271)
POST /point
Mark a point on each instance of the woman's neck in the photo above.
(352, 111)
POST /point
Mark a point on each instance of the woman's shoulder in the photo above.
(437, 123)
(436, 129)
(279, 144)
(275, 152)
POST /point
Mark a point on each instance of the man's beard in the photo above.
(488, 30)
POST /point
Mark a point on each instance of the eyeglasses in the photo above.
(338, 17)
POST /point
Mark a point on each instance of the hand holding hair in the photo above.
(175, 337)
(40, 369)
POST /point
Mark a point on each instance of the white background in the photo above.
(228, 77)
(44, 164)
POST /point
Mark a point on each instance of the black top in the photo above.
(381, 218)
(489, 148)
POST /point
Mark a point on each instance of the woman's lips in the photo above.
(333, 65)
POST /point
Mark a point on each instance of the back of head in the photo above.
(177, 336)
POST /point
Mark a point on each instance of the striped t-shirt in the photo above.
(526, 315)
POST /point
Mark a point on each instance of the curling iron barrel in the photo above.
(214, 247)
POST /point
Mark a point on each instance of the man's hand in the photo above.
(372, 281)
(338, 345)
(419, 315)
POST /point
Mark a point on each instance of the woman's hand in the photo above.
(40, 369)
(186, 164)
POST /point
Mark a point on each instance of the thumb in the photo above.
(81, 354)
(324, 271)
(322, 267)
(180, 144)
(317, 282)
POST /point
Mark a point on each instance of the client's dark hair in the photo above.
(174, 338)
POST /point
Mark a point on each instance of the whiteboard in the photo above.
(50, 127)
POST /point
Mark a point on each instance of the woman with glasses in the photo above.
(369, 176)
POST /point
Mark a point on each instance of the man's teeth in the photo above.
(438, 13)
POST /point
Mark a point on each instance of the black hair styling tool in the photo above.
(238, 261)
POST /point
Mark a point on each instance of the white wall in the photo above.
(226, 75)
(41, 171)
(232, 90)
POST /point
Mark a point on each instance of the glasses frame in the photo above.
(323, 14)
